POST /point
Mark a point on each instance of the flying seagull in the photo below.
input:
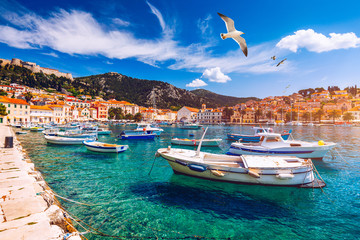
(273, 57)
(233, 33)
(281, 62)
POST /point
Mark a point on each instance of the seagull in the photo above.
(281, 62)
(273, 57)
(233, 33)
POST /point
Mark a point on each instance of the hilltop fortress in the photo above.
(35, 68)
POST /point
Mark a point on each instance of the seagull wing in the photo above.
(242, 43)
(229, 22)
(279, 64)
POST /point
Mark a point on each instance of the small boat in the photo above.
(51, 131)
(190, 126)
(21, 132)
(102, 131)
(104, 147)
(274, 144)
(137, 135)
(148, 127)
(255, 137)
(195, 142)
(260, 170)
(65, 140)
(77, 134)
(37, 129)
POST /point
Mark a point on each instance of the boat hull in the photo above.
(65, 141)
(226, 173)
(251, 138)
(303, 152)
(195, 142)
(103, 149)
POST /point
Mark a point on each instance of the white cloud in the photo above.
(52, 54)
(158, 14)
(120, 22)
(215, 75)
(317, 42)
(79, 33)
(196, 83)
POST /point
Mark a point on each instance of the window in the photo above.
(15, 106)
(8, 111)
(9, 105)
(20, 106)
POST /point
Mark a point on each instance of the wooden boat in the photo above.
(137, 135)
(195, 142)
(37, 129)
(274, 144)
(102, 131)
(65, 140)
(190, 126)
(104, 147)
(20, 132)
(261, 170)
(77, 134)
(148, 127)
(255, 137)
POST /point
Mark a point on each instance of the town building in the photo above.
(209, 115)
(18, 110)
(187, 114)
(41, 114)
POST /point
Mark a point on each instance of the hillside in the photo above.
(118, 86)
(221, 100)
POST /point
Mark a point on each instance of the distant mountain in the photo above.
(148, 92)
(118, 86)
(221, 100)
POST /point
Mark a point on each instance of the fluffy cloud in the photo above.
(120, 22)
(215, 75)
(79, 33)
(196, 83)
(317, 42)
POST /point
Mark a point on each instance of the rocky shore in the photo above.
(28, 207)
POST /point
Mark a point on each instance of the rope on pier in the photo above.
(64, 198)
(318, 174)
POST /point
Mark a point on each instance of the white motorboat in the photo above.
(195, 142)
(104, 147)
(148, 127)
(65, 140)
(274, 144)
(77, 134)
(261, 170)
(189, 126)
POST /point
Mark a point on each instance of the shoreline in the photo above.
(28, 207)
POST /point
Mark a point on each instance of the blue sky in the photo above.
(179, 42)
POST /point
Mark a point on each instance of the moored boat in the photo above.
(65, 140)
(104, 147)
(189, 126)
(137, 135)
(261, 170)
(195, 142)
(255, 137)
(274, 144)
(148, 127)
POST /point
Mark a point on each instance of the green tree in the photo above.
(319, 114)
(258, 114)
(138, 117)
(227, 113)
(28, 96)
(2, 110)
(334, 114)
(306, 116)
(348, 116)
(3, 93)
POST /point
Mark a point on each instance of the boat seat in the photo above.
(295, 145)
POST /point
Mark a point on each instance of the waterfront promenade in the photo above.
(27, 209)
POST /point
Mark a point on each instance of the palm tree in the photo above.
(2, 110)
(28, 96)
(306, 116)
(319, 114)
(334, 114)
(242, 113)
(347, 116)
(258, 113)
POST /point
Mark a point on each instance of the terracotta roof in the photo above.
(4, 99)
(192, 109)
(40, 107)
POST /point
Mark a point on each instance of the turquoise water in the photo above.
(130, 203)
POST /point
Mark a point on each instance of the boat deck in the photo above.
(254, 161)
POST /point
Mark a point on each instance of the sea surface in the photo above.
(126, 202)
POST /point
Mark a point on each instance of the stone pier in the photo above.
(27, 209)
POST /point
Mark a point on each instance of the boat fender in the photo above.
(217, 173)
(321, 143)
(197, 168)
(285, 176)
(181, 162)
(144, 129)
(254, 174)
